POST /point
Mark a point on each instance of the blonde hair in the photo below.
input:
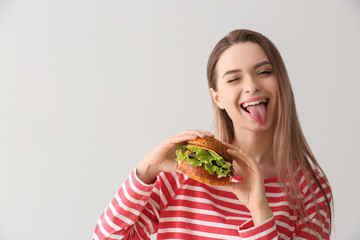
(290, 148)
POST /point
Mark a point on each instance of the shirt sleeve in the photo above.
(266, 230)
(131, 214)
(315, 225)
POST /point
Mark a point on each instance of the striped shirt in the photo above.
(178, 207)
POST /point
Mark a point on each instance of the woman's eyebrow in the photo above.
(255, 66)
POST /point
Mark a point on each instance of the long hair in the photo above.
(290, 148)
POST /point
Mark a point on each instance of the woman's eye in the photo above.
(234, 79)
(265, 72)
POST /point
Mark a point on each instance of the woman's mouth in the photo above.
(244, 106)
(256, 109)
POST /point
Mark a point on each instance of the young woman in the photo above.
(279, 190)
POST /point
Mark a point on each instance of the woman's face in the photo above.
(246, 87)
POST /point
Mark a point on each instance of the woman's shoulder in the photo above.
(313, 182)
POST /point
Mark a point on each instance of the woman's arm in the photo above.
(313, 227)
(133, 212)
(251, 192)
(316, 224)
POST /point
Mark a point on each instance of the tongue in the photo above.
(258, 113)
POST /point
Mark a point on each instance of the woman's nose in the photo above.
(252, 85)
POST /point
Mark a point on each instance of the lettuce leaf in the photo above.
(205, 158)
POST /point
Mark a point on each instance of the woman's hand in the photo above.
(162, 157)
(251, 190)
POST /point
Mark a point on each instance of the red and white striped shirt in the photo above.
(178, 207)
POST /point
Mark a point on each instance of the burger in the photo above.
(205, 160)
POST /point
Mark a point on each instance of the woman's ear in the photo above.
(215, 97)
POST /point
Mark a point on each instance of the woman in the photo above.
(279, 190)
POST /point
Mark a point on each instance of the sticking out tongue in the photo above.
(258, 113)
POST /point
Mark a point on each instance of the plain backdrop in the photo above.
(88, 87)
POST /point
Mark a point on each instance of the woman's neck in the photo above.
(260, 146)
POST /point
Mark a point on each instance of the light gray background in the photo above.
(88, 87)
